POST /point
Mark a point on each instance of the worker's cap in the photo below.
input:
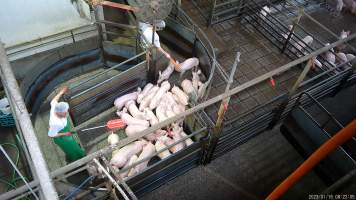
(61, 107)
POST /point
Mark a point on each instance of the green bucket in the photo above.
(6, 120)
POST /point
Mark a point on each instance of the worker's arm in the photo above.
(63, 134)
(169, 57)
(60, 94)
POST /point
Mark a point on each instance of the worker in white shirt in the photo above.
(60, 128)
(147, 31)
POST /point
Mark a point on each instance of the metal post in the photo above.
(278, 111)
(301, 77)
(296, 22)
(9, 81)
(112, 180)
(242, 7)
(117, 175)
(211, 16)
(18, 172)
(221, 113)
(342, 83)
(100, 32)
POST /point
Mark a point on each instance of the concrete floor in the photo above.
(251, 171)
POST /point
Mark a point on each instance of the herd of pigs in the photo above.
(334, 57)
(155, 103)
(149, 106)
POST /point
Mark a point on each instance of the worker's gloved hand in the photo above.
(67, 134)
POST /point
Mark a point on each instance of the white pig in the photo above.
(187, 65)
(150, 116)
(161, 113)
(350, 56)
(159, 146)
(196, 80)
(187, 86)
(121, 156)
(157, 98)
(121, 101)
(148, 150)
(170, 99)
(302, 44)
(144, 92)
(176, 137)
(134, 111)
(339, 6)
(285, 35)
(131, 161)
(166, 73)
(129, 120)
(167, 141)
(147, 99)
(316, 62)
(264, 11)
(133, 129)
(182, 96)
(341, 57)
(344, 34)
(169, 112)
(330, 56)
(188, 141)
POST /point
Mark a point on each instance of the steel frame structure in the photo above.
(247, 130)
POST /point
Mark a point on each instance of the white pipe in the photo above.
(18, 172)
(111, 179)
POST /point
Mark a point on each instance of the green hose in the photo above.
(12, 183)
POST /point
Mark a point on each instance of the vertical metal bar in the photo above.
(112, 180)
(117, 175)
(278, 111)
(221, 113)
(296, 22)
(242, 7)
(9, 81)
(100, 32)
(342, 83)
(18, 172)
(211, 15)
(301, 77)
(71, 33)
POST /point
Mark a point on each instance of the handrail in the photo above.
(324, 150)
(326, 133)
(103, 82)
(320, 106)
(105, 71)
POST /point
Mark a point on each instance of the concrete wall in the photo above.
(27, 69)
(26, 20)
